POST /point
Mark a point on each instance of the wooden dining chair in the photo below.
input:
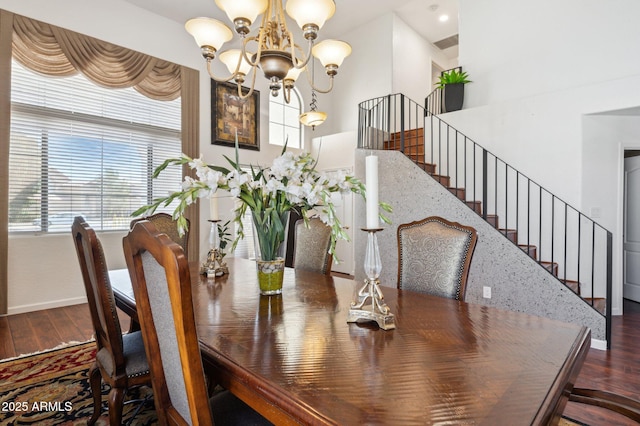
(434, 256)
(162, 286)
(165, 223)
(120, 359)
(311, 249)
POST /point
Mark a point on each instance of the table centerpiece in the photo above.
(270, 193)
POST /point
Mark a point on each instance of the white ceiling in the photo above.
(421, 15)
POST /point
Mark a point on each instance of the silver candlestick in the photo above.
(377, 310)
(214, 266)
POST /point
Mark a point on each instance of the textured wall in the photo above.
(517, 282)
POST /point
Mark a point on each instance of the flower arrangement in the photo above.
(292, 181)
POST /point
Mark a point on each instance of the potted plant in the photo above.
(452, 84)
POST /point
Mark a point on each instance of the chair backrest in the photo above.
(312, 246)
(434, 256)
(162, 286)
(165, 224)
(99, 293)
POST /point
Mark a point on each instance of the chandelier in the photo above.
(273, 48)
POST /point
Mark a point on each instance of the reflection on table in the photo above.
(294, 358)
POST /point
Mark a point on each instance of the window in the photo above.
(284, 125)
(80, 149)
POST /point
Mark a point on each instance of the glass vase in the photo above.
(270, 276)
(270, 244)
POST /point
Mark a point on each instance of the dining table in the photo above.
(295, 359)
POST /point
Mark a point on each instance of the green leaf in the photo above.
(453, 77)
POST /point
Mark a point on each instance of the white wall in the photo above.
(532, 90)
(412, 60)
(365, 74)
(43, 270)
(517, 49)
(388, 57)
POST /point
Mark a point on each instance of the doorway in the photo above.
(631, 227)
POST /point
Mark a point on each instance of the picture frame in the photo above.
(231, 113)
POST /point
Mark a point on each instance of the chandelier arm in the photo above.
(253, 83)
(306, 56)
(320, 90)
(218, 79)
(258, 53)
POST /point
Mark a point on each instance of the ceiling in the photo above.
(421, 15)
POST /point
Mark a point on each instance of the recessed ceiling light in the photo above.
(443, 18)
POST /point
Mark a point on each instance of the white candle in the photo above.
(371, 182)
(214, 208)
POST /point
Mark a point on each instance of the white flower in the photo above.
(284, 166)
(235, 181)
(273, 186)
(291, 182)
(212, 178)
(188, 183)
(195, 162)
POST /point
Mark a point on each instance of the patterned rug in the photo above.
(52, 388)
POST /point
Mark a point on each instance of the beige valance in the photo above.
(52, 50)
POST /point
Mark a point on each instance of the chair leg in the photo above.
(95, 381)
(134, 326)
(116, 400)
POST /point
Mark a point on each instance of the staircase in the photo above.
(566, 243)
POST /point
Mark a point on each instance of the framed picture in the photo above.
(233, 114)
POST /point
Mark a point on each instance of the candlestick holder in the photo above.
(214, 266)
(377, 310)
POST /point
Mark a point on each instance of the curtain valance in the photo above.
(52, 50)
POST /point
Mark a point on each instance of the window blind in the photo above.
(246, 246)
(80, 149)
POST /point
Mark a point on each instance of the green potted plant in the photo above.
(452, 84)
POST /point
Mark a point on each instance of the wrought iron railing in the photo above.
(433, 104)
(564, 241)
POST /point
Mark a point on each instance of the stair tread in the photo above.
(598, 303)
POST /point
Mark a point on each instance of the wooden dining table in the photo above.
(295, 359)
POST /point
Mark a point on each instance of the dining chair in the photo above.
(434, 256)
(162, 286)
(120, 359)
(165, 223)
(311, 249)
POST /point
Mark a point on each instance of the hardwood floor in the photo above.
(46, 329)
(617, 370)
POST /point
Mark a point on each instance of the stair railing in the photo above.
(564, 241)
(433, 103)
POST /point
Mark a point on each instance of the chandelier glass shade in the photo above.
(313, 118)
(273, 48)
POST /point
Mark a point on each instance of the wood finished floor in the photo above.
(617, 370)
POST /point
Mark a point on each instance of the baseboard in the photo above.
(599, 344)
(46, 305)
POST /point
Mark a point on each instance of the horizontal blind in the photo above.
(80, 149)
(246, 246)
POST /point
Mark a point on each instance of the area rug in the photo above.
(52, 388)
